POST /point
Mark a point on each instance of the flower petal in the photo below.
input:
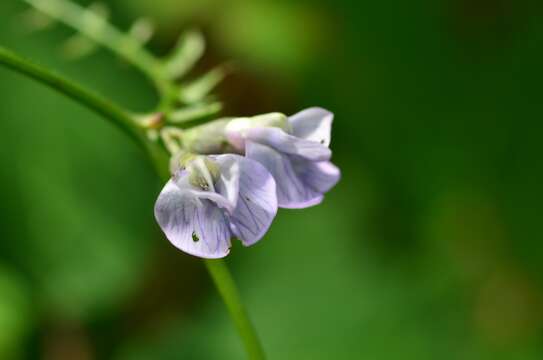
(292, 192)
(283, 142)
(196, 226)
(313, 124)
(321, 176)
(228, 183)
(257, 201)
(181, 180)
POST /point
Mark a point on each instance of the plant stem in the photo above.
(74, 91)
(119, 117)
(227, 288)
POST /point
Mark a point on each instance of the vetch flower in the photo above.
(295, 150)
(211, 199)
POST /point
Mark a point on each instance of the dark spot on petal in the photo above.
(247, 198)
(195, 237)
(322, 141)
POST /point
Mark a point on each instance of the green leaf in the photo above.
(194, 112)
(198, 89)
(188, 51)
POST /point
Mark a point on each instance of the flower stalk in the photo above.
(227, 288)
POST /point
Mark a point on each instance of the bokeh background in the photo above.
(429, 248)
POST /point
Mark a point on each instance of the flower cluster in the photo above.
(267, 161)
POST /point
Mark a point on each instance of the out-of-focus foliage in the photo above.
(15, 312)
(428, 248)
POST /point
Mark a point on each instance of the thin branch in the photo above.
(227, 288)
(92, 101)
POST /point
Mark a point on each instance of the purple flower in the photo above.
(214, 198)
(294, 150)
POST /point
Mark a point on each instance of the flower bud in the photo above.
(208, 138)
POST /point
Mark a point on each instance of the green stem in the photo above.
(73, 91)
(227, 288)
(217, 268)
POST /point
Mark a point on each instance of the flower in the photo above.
(211, 199)
(295, 150)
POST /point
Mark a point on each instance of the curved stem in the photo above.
(119, 117)
(227, 288)
(74, 91)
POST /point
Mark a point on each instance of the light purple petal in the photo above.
(292, 192)
(196, 226)
(181, 180)
(228, 182)
(257, 201)
(313, 124)
(321, 176)
(288, 144)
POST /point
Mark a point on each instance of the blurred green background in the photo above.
(429, 248)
